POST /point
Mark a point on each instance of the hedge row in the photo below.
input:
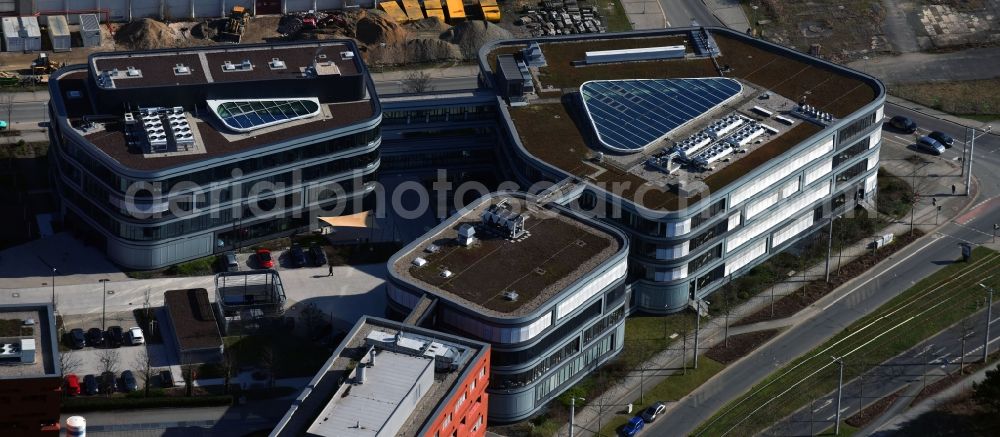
(81, 404)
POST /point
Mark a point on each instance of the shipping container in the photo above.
(31, 33)
(90, 30)
(12, 41)
(58, 33)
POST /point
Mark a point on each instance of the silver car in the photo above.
(654, 411)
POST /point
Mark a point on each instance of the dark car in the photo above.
(633, 426)
(90, 385)
(166, 379)
(903, 124)
(95, 337)
(930, 145)
(298, 256)
(228, 262)
(128, 382)
(318, 255)
(77, 340)
(115, 336)
(946, 140)
(264, 260)
(109, 384)
(653, 412)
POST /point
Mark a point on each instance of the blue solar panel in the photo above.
(630, 114)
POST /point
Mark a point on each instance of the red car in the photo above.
(72, 385)
(264, 260)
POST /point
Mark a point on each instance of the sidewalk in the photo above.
(730, 13)
(645, 14)
(712, 331)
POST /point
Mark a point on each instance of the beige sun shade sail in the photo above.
(360, 220)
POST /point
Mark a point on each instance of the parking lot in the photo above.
(88, 360)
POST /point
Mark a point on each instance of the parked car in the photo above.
(653, 412)
(903, 123)
(228, 263)
(128, 382)
(90, 385)
(930, 145)
(95, 337)
(946, 140)
(318, 255)
(298, 256)
(109, 384)
(135, 336)
(166, 379)
(72, 385)
(77, 339)
(264, 260)
(633, 426)
(114, 337)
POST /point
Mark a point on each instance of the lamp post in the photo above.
(53, 288)
(572, 412)
(989, 316)
(104, 300)
(840, 390)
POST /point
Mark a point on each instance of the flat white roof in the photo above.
(366, 408)
(11, 27)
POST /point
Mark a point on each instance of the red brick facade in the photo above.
(464, 415)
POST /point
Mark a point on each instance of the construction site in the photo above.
(388, 33)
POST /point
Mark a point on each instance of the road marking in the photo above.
(825, 404)
(967, 217)
(928, 243)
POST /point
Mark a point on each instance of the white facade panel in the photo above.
(872, 161)
(779, 215)
(790, 188)
(793, 229)
(875, 138)
(871, 182)
(497, 334)
(682, 227)
(879, 114)
(767, 180)
(760, 205)
(746, 256)
(664, 275)
(664, 253)
(592, 288)
(734, 221)
(813, 174)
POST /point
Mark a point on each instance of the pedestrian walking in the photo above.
(331, 271)
(952, 189)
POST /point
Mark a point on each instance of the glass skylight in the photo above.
(244, 115)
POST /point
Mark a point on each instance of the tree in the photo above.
(108, 359)
(417, 82)
(269, 362)
(229, 365)
(144, 369)
(189, 373)
(312, 318)
(987, 392)
(69, 362)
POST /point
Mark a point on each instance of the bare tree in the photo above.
(312, 318)
(69, 362)
(417, 82)
(109, 360)
(144, 368)
(229, 364)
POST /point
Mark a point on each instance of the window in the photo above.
(482, 372)
(850, 152)
(472, 386)
(244, 115)
(852, 130)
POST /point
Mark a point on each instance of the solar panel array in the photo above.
(259, 113)
(628, 115)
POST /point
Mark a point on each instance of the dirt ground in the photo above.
(844, 29)
(740, 345)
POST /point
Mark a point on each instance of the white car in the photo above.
(135, 336)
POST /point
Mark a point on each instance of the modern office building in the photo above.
(393, 379)
(545, 286)
(712, 150)
(30, 373)
(170, 155)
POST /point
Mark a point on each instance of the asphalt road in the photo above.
(929, 359)
(874, 288)
(680, 13)
(24, 112)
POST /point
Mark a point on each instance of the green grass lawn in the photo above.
(977, 99)
(615, 14)
(671, 389)
(934, 303)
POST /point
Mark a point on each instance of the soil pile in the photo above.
(429, 50)
(471, 35)
(375, 29)
(146, 34)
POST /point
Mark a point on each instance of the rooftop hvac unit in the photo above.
(446, 273)
(432, 248)
(129, 118)
(276, 64)
(346, 55)
(500, 216)
(419, 262)
(466, 235)
(182, 70)
(510, 295)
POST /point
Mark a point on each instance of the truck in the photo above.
(235, 25)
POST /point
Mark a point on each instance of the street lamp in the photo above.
(840, 390)
(572, 412)
(104, 300)
(989, 316)
(53, 288)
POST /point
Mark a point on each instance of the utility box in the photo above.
(58, 33)
(90, 30)
(12, 41)
(31, 33)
